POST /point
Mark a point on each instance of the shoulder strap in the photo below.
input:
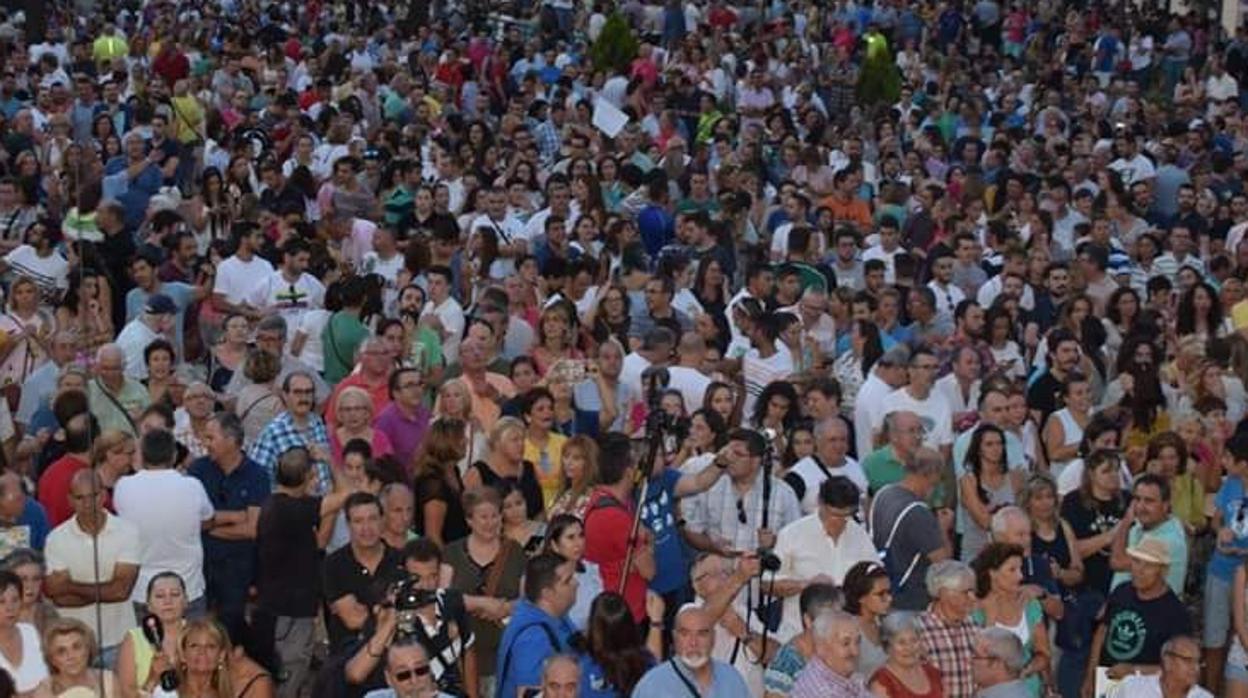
(555, 645)
(495, 575)
(693, 690)
(117, 404)
(252, 406)
(914, 562)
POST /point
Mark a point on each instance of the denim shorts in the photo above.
(1217, 610)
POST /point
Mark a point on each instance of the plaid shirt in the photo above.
(547, 138)
(281, 435)
(718, 511)
(950, 646)
(818, 681)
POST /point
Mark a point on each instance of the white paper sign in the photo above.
(607, 118)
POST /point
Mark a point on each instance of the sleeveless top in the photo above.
(32, 670)
(1072, 434)
(896, 689)
(1032, 613)
(528, 485)
(1056, 550)
(975, 538)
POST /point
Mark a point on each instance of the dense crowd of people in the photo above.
(640, 348)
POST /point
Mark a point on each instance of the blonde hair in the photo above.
(59, 627)
(353, 392)
(221, 674)
(588, 448)
(501, 427)
(106, 443)
(467, 394)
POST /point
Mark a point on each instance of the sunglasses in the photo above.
(409, 674)
(740, 511)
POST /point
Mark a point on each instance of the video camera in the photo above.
(406, 599)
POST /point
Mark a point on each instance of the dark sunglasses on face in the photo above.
(408, 674)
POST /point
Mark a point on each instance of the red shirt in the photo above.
(607, 527)
(54, 488)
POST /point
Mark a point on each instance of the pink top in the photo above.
(380, 443)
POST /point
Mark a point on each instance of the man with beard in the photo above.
(692, 670)
(38, 259)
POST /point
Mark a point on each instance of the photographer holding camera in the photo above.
(408, 672)
(423, 614)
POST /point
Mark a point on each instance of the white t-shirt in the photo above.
(32, 670)
(358, 242)
(51, 273)
(168, 508)
(387, 269)
(812, 477)
(236, 279)
(1139, 686)
(274, 294)
(452, 317)
(948, 388)
(889, 259)
(867, 405)
(933, 412)
(134, 338)
(630, 372)
(691, 383)
(759, 373)
(72, 550)
(311, 324)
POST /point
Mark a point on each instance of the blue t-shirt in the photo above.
(34, 517)
(246, 486)
(658, 513)
(594, 683)
(1231, 502)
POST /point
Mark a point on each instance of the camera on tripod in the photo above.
(407, 599)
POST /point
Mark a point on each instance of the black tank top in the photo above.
(528, 485)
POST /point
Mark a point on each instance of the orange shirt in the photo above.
(854, 211)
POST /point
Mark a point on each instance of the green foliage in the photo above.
(616, 46)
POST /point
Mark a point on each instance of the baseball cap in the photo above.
(160, 304)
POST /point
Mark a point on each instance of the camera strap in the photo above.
(693, 689)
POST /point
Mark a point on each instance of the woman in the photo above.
(710, 285)
(1005, 350)
(437, 483)
(852, 368)
(1002, 604)
(615, 657)
(777, 407)
(556, 338)
(24, 329)
(487, 567)
(113, 457)
(209, 668)
(542, 446)
(506, 462)
(260, 402)
(227, 356)
(70, 651)
(721, 398)
(454, 401)
(1199, 313)
(517, 526)
(159, 359)
(210, 210)
(82, 312)
(28, 564)
(565, 536)
(1094, 511)
(1063, 431)
(611, 318)
(580, 474)
(354, 410)
(869, 596)
(904, 674)
(1052, 538)
(1138, 390)
(987, 485)
(138, 663)
(20, 655)
(1167, 457)
(815, 600)
(1122, 315)
(560, 381)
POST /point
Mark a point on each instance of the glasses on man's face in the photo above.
(409, 674)
(1186, 658)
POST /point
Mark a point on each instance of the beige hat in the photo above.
(1150, 549)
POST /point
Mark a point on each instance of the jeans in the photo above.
(226, 581)
(293, 640)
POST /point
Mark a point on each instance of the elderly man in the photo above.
(889, 373)
(116, 401)
(407, 673)
(997, 663)
(1180, 669)
(830, 459)
(830, 671)
(691, 669)
(297, 426)
(561, 677)
(155, 322)
(374, 363)
(1150, 517)
(23, 521)
(718, 586)
(486, 390)
(821, 547)
(910, 535)
(271, 338)
(40, 385)
(945, 628)
(903, 434)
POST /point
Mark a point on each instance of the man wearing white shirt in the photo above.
(1015, 266)
(170, 509)
(960, 387)
(820, 547)
(238, 274)
(1220, 86)
(686, 375)
(917, 397)
(290, 291)
(1180, 674)
(830, 460)
(818, 327)
(888, 374)
(888, 248)
(948, 296)
(1133, 166)
(508, 231)
(448, 315)
(155, 322)
(559, 203)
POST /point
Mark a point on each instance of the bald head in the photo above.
(110, 354)
(692, 349)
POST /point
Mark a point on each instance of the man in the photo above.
(486, 390)
(444, 313)
(287, 584)
(39, 386)
(1180, 671)
(830, 671)
(561, 677)
(829, 460)
(271, 338)
(405, 421)
(993, 410)
(374, 362)
(692, 671)
(54, 484)
(819, 547)
(846, 264)
(240, 273)
(890, 373)
(1049, 301)
(903, 432)
(945, 629)
(998, 663)
(345, 330)
(156, 322)
(238, 488)
(408, 673)
(297, 426)
(1098, 284)
(1044, 393)
(290, 291)
(947, 295)
(608, 525)
(1150, 517)
(116, 400)
(447, 639)
(927, 325)
(170, 509)
(603, 401)
(909, 535)
(23, 523)
(759, 282)
(133, 177)
(507, 228)
(658, 313)
(918, 398)
(729, 516)
(1138, 618)
(687, 376)
(538, 627)
(960, 387)
(147, 285)
(94, 555)
(39, 260)
(357, 575)
(818, 327)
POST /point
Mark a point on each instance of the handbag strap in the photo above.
(495, 575)
(117, 404)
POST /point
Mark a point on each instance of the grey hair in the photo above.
(828, 621)
(925, 462)
(272, 323)
(231, 426)
(1006, 646)
(1167, 648)
(946, 574)
(73, 369)
(109, 349)
(829, 424)
(554, 659)
(1001, 519)
(895, 624)
(390, 489)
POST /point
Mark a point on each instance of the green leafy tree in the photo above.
(616, 46)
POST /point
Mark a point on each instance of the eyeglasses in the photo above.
(1186, 658)
(983, 658)
(741, 511)
(409, 674)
